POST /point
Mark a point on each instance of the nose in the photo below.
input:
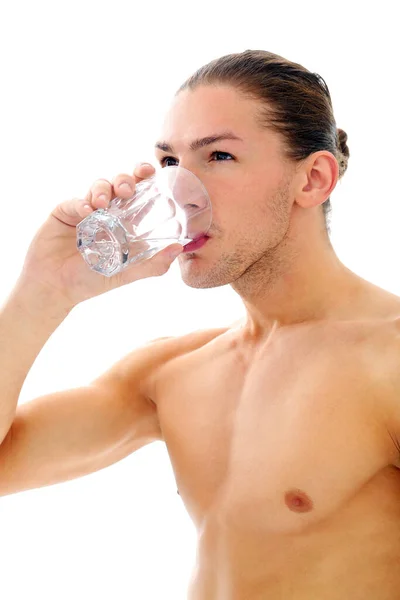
(187, 188)
(191, 196)
(189, 165)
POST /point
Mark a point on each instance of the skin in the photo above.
(280, 428)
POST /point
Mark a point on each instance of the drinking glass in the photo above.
(171, 206)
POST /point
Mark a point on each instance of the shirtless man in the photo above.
(282, 429)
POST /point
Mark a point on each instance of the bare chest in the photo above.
(275, 441)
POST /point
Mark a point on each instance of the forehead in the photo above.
(209, 109)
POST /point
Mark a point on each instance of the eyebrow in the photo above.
(201, 142)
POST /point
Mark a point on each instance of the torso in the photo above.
(283, 462)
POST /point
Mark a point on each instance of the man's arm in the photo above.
(69, 434)
(28, 318)
(72, 433)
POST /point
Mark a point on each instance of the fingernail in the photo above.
(125, 187)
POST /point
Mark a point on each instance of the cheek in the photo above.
(244, 198)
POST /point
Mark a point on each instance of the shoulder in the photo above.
(175, 345)
(160, 352)
(137, 370)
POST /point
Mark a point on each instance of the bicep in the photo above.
(71, 433)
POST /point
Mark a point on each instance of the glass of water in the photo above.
(171, 206)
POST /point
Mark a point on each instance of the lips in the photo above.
(196, 244)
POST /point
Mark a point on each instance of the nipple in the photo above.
(298, 501)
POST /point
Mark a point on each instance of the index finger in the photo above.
(143, 171)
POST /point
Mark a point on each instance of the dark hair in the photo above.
(297, 103)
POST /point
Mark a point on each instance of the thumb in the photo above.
(173, 251)
(158, 264)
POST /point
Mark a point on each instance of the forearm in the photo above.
(28, 318)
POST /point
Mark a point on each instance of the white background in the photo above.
(84, 87)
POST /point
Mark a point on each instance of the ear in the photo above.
(316, 179)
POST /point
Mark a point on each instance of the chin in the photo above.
(199, 275)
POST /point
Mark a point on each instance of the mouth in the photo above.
(196, 244)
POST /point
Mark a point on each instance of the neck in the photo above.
(300, 280)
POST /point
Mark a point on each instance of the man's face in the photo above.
(248, 181)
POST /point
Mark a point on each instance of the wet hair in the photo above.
(296, 103)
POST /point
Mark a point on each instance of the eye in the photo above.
(221, 153)
(163, 160)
